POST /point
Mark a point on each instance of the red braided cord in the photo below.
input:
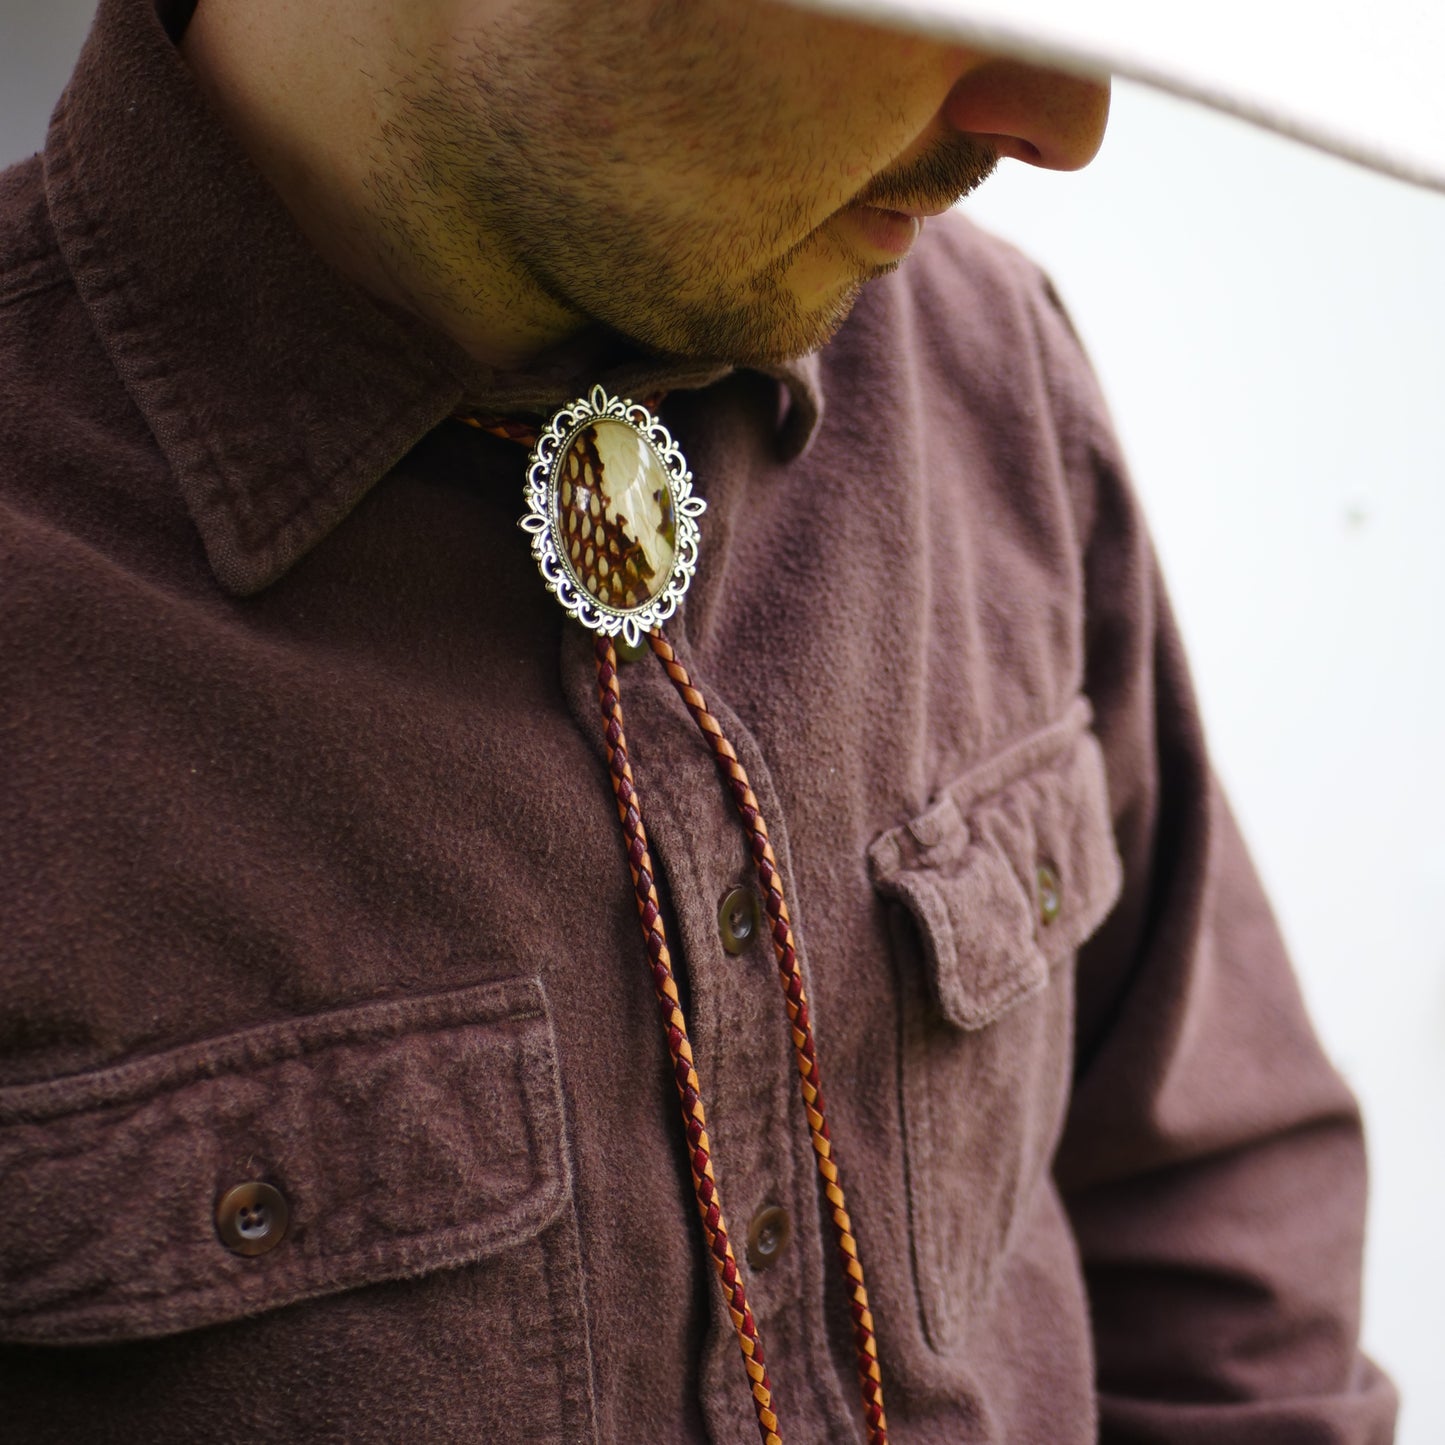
(865, 1344)
(524, 433)
(675, 1025)
(709, 1203)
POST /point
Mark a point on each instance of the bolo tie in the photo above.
(613, 521)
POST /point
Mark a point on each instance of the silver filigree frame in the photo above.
(541, 518)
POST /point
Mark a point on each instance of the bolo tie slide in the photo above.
(613, 522)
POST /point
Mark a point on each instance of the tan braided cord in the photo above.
(865, 1344)
(709, 1204)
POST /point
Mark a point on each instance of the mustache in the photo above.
(943, 175)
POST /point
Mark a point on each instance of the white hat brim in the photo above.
(1367, 83)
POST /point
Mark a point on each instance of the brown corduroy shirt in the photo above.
(312, 876)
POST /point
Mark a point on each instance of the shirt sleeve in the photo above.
(1213, 1162)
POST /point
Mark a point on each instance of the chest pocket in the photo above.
(996, 886)
(401, 1261)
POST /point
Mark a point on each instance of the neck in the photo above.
(323, 97)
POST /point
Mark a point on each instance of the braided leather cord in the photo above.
(639, 859)
(525, 433)
(865, 1343)
(522, 432)
(709, 1204)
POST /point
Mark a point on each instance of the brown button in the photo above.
(768, 1235)
(251, 1218)
(737, 919)
(1051, 893)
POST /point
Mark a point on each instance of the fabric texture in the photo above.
(312, 875)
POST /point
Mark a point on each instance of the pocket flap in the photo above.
(1010, 870)
(404, 1136)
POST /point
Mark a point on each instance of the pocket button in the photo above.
(251, 1218)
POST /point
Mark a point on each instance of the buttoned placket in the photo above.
(762, 1154)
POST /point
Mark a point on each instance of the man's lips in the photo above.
(891, 223)
(918, 212)
(884, 230)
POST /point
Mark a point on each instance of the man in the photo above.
(334, 1104)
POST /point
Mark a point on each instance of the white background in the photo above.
(1270, 327)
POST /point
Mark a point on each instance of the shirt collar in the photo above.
(279, 393)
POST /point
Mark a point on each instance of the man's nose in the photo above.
(1040, 116)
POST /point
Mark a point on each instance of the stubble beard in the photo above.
(674, 286)
(759, 321)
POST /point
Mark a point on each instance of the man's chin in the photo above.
(768, 330)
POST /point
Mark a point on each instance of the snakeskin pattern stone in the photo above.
(616, 523)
